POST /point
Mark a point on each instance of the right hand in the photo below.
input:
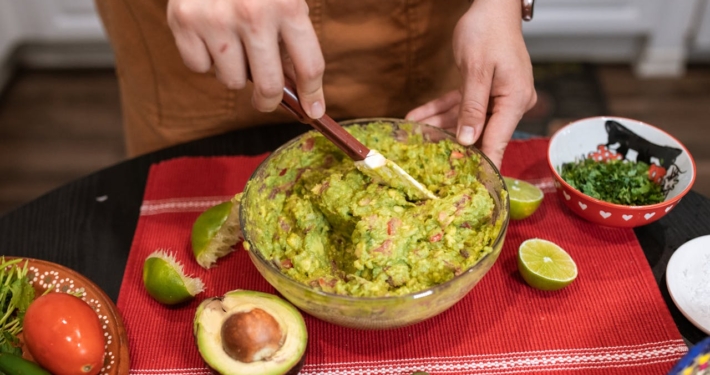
(497, 86)
(269, 37)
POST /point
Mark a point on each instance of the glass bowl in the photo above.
(374, 312)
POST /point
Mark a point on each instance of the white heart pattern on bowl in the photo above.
(627, 217)
(605, 214)
(669, 208)
(567, 197)
(649, 215)
(582, 205)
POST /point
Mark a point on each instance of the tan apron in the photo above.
(383, 58)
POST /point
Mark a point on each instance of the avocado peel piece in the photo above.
(248, 332)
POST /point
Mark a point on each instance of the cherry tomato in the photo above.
(64, 335)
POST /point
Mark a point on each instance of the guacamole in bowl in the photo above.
(357, 253)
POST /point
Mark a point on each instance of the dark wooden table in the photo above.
(88, 224)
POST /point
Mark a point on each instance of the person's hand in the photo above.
(497, 86)
(266, 37)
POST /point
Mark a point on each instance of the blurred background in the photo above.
(60, 113)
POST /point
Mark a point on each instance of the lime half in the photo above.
(216, 231)
(544, 265)
(165, 280)
(525, 198)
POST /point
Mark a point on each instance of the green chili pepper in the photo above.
(11, 364)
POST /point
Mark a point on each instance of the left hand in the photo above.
(497, 75)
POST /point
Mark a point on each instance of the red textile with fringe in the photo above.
(611, 320)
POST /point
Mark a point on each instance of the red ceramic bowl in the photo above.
(616, 137)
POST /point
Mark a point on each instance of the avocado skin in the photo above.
(293, 371)
(258, 299)
(298, 366)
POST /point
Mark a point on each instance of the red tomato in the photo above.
(64, 335)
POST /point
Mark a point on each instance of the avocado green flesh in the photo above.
(327, 225)
(211, 314)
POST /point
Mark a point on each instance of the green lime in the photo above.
(216, 231)
(165, 280)
(525, 198)
(544, 265)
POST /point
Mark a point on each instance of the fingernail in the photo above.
(317, 110)
(465, 136)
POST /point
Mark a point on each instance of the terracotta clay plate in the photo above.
(43, 274)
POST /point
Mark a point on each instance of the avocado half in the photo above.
(246, 332)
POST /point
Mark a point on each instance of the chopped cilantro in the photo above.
(16, 294)
(614, 181)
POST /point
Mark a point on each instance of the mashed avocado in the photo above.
(324, 223)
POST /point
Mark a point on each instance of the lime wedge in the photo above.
(525, 198)
(544, 265)
(216, 231)
(165, 280)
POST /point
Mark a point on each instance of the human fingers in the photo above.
(218, 29)
(181, 20)
(229, 60)
(287, 64)
(262, 51)
(442, 104)
(301, 43)
(474, 103)
(499, 130)
(446, 120)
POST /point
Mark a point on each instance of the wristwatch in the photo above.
(528, 9)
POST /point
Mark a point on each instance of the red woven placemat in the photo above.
(611, 320)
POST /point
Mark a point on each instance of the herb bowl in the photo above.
(615, 138)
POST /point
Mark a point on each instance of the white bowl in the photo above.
(603, 136)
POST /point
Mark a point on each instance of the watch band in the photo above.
(528, 9)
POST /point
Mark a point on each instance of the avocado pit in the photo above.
(251, 336)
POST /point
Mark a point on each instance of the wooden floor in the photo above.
(56, 126)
